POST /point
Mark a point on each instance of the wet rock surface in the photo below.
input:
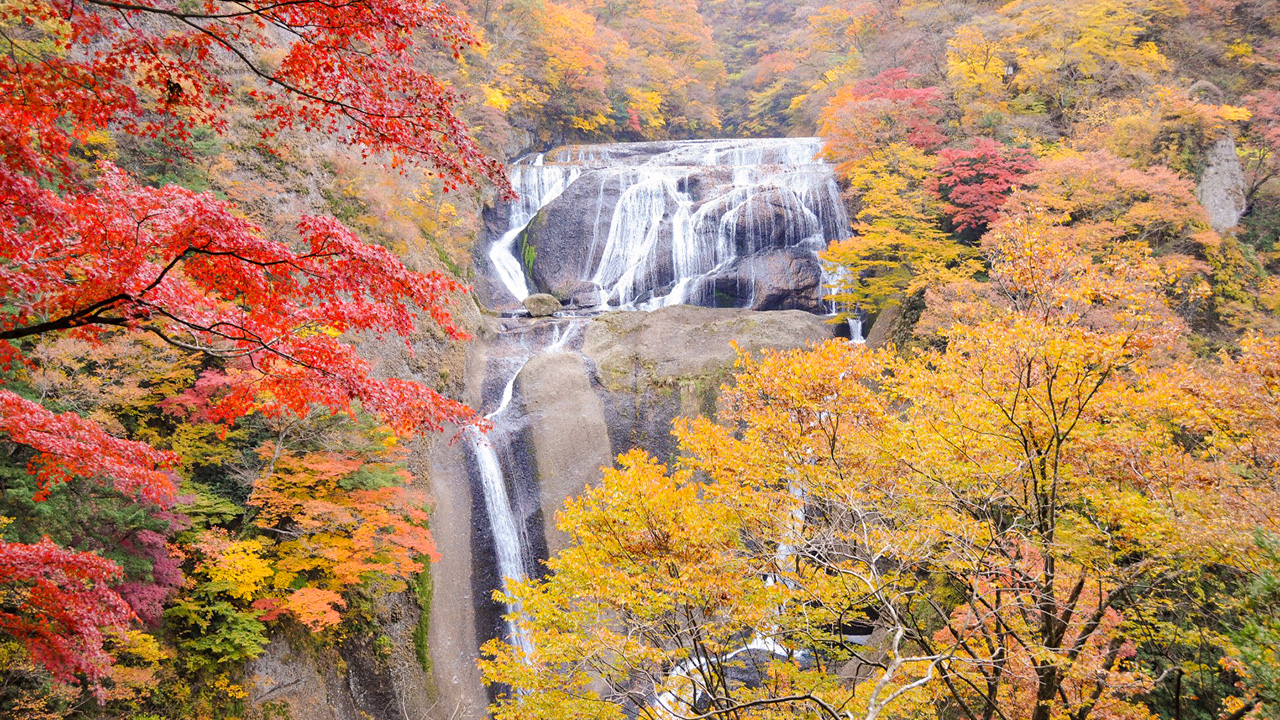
(566, 239)
(652, 368)
(787, 279)
(569, 432)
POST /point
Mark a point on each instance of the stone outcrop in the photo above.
(786, 279)
(569, 434)
(657, 366)
(567, 237)
(1222, 187)
(687, 343)
(359, 679)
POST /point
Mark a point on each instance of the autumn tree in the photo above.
(878, 112)
(584, 69)
(87, 249)
(975, 182)
(879, 133)
(340, 518)
(898, 246)
(1037, 56)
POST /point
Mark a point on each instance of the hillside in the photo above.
(698, 359)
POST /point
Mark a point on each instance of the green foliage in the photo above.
(70, 509)
(213, 633)
(1258, 640)
(161, 163)
(423, 590)
(528, 252)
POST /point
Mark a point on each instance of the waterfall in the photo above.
(684, 214)
(510, 545)
(663, 224)
(502, 523)
(855, 329)
(536, 184)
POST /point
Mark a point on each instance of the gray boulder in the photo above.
(568, 236)
(584, 294)
(542, 305)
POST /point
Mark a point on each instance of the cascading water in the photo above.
(684, 218)
(509, 538)
(536, 185)
(507, 541)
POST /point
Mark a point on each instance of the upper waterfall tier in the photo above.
(720, 223)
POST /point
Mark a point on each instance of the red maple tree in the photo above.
(866, 117)
(85, 248)
(976, 181)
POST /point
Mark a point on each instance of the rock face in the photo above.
(353, 681)
(684, 343)
(567, 236)
(1221, 188)
(769, 218)
(786, 279)
(542, 305)
(657, 366)
(569, 434)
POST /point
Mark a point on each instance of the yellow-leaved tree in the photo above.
(880, 133)
(1043, 56)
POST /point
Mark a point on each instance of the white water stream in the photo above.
(537, 185)
(510, 545)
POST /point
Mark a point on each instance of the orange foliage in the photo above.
(346, 520)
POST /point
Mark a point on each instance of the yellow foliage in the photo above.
(1055, 53)
(237, 566)
(898, 246)
(647, 108)
(143, 647)
(1003, 503)
(495, 98)
(977, 66)
(223, 684)
(1239, 49)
